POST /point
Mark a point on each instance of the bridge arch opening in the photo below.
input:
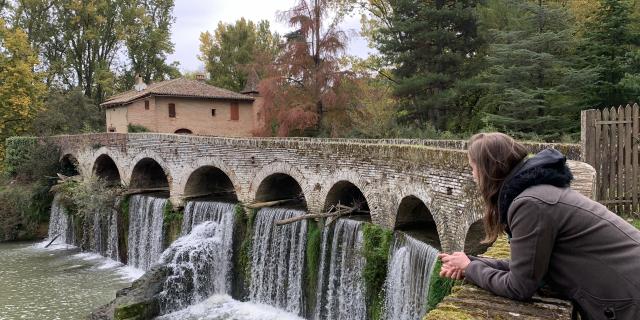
(183, 131)
(69, 165)
(106, 169)
(212, 183)
(281, 186)
(415, 219)
(148, 174)
(473, 239)
(348, 194)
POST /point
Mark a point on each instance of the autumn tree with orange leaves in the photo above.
(303, 92)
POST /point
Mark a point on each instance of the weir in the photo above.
(341, 293)
(277, 263)
(145, 243)
(407, 285)
(199, 262)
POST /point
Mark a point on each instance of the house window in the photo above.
(172, 110)
(213, 112)
(235, 112)
(146, 104)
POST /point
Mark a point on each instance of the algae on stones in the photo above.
(377, 243)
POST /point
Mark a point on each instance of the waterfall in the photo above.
(196, 212)
(146, 215)
(407, 284)
(341, 289)
(60, 224)
(200, 260)
(278, 260)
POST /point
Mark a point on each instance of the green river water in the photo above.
(37, 283)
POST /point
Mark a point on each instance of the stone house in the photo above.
(185, 106)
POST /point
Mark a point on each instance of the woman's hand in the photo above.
(453, 265)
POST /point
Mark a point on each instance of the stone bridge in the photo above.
(404, 184)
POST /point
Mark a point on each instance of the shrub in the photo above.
(136, 128)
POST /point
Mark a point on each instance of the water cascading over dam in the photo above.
(60, 223)
(407, 285)
(341, 291)
(278, 260)
(145, 243)
(200, 260)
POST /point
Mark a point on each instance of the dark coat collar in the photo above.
(547, 167)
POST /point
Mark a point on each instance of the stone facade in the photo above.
(384, 173)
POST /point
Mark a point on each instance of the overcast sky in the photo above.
(196, 16)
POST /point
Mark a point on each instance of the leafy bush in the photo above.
(69, 113)
(29, 160)
(136, 128)
(89, 196)
(24, 208)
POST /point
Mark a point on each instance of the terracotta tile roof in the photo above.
(180, 87)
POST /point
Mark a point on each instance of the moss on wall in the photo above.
(172, 223)
(123, 228)
(312, 264)
(377, 243)
(438, 287)
(242, 248)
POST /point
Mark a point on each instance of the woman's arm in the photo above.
(531, 245)
(493, 263)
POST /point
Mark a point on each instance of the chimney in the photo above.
(200, 77)
(139, 85)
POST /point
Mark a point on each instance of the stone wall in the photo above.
(384, 173)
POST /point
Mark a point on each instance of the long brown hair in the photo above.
(494, 155)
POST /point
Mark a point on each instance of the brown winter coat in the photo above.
(564, 239)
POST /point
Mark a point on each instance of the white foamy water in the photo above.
(223, 307)
(199, 262)
(278, 259)
(341, 289)
(409, 273)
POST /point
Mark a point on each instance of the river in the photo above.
(38, 283)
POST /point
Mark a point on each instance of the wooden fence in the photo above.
(611, 143)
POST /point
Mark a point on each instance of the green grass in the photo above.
(636, 223)
(377, 243)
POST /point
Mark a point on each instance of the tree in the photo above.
(611, 44)
(532, 85)
(432, 46)
(21, 87)
(233, 50)
(148, 41)
(68, 113)
(303, 92)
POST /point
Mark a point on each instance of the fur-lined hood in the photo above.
(549, 166)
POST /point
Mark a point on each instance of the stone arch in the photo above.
(288, 180)
(473, 238)
(210, 181)
(415, 218)
(183, 131)
(149, 171)
(184, 173)
(106, 168)
(347, 193)
(69, 165)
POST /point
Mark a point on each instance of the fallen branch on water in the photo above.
(52, 240)
(258, 205)
(332, 214)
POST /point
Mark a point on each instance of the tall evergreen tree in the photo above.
(611, 44)
(532, 86)
(432, 45)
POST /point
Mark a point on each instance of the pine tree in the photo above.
(432, 45)
(611, 44)
(532, 84)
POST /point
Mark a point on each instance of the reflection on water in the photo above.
(38, 283)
